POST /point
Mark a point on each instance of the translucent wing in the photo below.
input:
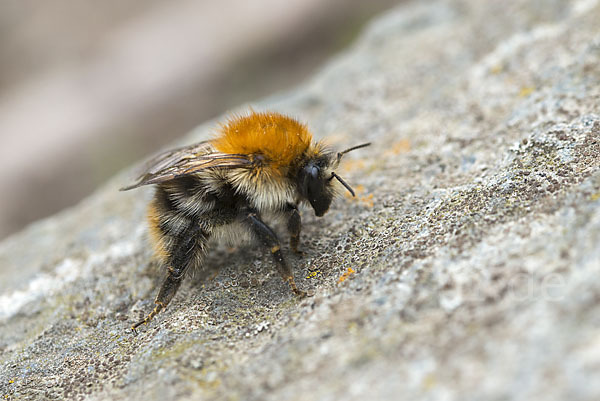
(184, 161)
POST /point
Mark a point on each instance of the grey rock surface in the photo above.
(466, 269)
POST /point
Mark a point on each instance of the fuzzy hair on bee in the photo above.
(260, 166)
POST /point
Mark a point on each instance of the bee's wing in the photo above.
(184, 161)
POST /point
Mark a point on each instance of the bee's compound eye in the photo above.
(311, 172)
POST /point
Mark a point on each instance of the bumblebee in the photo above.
(260, 166)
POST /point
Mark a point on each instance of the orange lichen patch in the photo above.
(155, 233)
(367, 200)
(346, 274)
(526, 91)
(361, 197)
(350, 165)
(359, 189)
(401, 146)
(279, 138)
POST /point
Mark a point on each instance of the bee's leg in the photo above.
(294, 226)
(189, 245)
(269, 239)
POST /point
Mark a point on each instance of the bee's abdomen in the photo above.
(174, 232)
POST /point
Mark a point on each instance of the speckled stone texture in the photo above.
(467, 268)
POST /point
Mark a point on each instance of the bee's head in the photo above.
(315, 179)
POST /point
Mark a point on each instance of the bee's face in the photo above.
(315, 184)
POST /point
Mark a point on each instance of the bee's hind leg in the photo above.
(167, 291)
(268, 237)
(190, 244)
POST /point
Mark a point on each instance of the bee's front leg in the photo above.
(294, 226)
(269, 239)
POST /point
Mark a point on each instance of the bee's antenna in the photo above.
(343, 152)
(348, 187)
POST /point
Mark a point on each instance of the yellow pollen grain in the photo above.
(313, 274)
(497, 69)
(526, 91)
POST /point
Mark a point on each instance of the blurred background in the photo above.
(88, 88)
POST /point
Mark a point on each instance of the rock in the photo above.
(470, 256)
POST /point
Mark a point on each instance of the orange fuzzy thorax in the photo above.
(280, 139)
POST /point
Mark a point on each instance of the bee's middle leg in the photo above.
(268, 237)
